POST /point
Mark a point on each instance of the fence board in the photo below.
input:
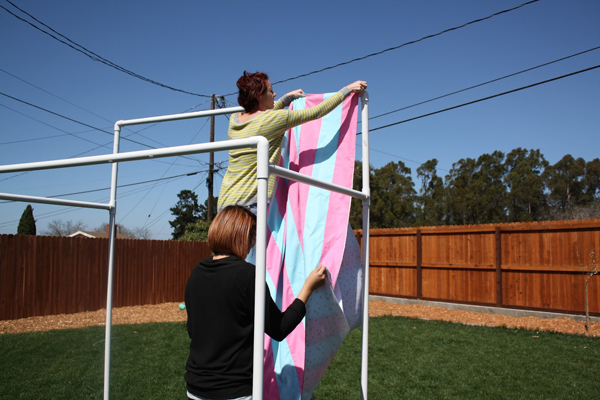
(538, 265)
(58, 275)
(394, 281)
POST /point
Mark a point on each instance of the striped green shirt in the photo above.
(239, 184)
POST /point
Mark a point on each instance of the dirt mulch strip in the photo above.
(560, 324)
(170, 312)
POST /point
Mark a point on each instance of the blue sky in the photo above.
(203, 47)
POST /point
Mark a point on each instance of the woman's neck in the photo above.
(245, 116)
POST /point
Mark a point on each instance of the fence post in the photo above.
(419, 262)
(498, 267)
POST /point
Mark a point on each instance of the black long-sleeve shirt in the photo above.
(219, 299)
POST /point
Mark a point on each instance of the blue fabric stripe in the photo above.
(323, 168)
(287, 376)
(294, 256)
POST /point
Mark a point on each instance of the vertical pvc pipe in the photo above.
(262, 156)
(111, 257)
(366, 189)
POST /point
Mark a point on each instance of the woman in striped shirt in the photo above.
(263, 116)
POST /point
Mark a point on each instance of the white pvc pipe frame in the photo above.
(264, 169)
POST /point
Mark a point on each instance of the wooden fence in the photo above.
(44, 275)
(533, 266)
(528, 266)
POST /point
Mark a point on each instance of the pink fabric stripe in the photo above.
(292, 195)
(339, 204)
(303, 163)
(270, 388)
(280, 196)
(273, 256)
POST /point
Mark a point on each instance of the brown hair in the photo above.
(233, 231)
(251, 86)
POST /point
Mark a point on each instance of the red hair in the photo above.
(233, 231)
(251, 86)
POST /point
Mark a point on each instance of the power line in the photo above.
(87, 125)
(98, 58)
(74, 134)
(485, 83)
(99, 116)
(94, 128)
(68, 210)
(74, 105)
(485, 98)
(156, 219)
(53, 95)
(152, 188)
(401, 158)
(405, 44)
(72, 120)
(401, 122)
(77, 47)
(45, 137)
(126, 185)
(118, 186)
(156, 141)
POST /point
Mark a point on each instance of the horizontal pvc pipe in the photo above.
(176, 117)
(58, 202)
(133, 155)
(286, 173)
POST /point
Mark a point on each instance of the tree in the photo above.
(564, 183)
(476, 190)
(356, 204)
(491, 193)
(460, 197)
(392, 197)
(27, 222)
(61, 228)
(186, 211)
(135, 233)
(526, 197)
(432, 196)
(591, 182)
(204, 209)
(196, 232)
(589, 270)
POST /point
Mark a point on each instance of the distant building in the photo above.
(96, 235)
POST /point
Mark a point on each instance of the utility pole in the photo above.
(211, 164)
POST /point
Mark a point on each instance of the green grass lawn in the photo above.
(408, 359)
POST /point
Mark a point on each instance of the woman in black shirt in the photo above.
(219, 299)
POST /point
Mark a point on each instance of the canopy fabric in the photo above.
(308, 226)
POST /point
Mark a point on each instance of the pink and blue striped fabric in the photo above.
(308, 226)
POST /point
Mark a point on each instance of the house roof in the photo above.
(96, 235)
